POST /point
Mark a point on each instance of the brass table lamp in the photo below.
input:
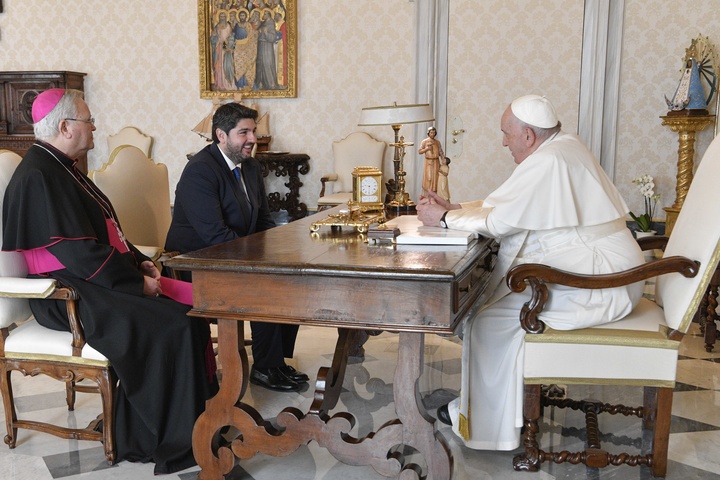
(396, 116)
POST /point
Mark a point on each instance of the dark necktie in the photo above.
(238, 177)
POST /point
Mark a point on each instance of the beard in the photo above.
(235, 152)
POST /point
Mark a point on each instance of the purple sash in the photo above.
(40, 260)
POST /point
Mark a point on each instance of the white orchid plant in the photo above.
(647, 189)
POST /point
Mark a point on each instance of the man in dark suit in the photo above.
(220, 197)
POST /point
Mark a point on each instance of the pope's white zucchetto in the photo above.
(535, 110)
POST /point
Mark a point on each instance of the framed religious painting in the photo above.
(248, 47)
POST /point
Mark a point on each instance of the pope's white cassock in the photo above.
(558, 208)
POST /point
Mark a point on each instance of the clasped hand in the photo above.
(151, 276)
(431, 208)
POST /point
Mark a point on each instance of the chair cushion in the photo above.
(32, 341)
(26, 287)
(633, 351)
(152, 252)
(14, 291)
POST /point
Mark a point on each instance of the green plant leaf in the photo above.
(642, 221)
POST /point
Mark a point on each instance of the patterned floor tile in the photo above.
(367, 391)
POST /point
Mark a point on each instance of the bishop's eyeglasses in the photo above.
(90, 120)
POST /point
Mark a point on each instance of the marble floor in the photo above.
(694, 441)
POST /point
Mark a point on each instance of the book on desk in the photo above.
(413, 232)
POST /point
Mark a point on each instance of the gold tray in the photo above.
(361, 221)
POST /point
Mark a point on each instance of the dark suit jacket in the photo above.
(210, 207)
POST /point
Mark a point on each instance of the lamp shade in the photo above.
(396, 115)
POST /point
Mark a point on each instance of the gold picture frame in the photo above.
(251, 51)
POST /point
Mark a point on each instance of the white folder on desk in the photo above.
(413, 232)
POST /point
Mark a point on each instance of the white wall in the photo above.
(656, 34)
(141, 58)
(142, 63)
(502, 49)
(499, 51)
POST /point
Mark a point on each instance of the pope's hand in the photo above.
(433, 197)
(430, 213)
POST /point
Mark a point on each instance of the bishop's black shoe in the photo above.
(444, 415)
(294, 375)
(273, 379)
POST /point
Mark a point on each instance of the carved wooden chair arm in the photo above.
(538, 275)
(330, 177)
(70, 296)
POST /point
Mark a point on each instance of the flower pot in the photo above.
(649, 233)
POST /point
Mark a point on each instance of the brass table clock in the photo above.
(366, 206)
(367, 189)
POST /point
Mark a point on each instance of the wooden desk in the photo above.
(288, 275)
(289, 165)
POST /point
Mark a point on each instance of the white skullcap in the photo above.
(535, 110)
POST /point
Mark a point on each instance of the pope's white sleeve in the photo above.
(479, 219)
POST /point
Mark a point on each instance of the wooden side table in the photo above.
(290, 165)
(686, 126)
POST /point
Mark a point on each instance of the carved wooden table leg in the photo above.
(419, 429)
(330, 380)
(413, 427)
(220, 410)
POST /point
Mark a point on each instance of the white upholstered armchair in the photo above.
(357, 149)
(139, 189)
(130, 136)
(640, 350)
(31, 349)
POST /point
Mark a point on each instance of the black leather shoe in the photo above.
(273, 379)
(294, 375)
(444, 415)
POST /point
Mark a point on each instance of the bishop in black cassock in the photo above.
(156, 349)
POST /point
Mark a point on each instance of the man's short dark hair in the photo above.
(227, 116)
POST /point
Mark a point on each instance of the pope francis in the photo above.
(558, 208)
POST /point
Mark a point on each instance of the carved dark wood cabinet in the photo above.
(290, 165)
(17, 93)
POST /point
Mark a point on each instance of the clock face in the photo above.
(369, 186)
